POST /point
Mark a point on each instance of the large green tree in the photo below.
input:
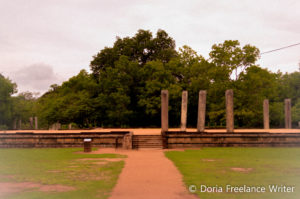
(141, 48)
(70, 102)
(7, 88)
(253, 86)
(230, 57)
(23, 107)
(126, 81)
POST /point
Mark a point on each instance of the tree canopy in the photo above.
(123, 88)
(141, 48)
(7, 88)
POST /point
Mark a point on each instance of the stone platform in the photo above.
(153, 131)
(173, 138)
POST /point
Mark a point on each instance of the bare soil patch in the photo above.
(242, 170)
(103, 159)
(56, 188)
(209, 160)
(54, 171)
(7, 188)
(101, 163)
(73, 166)
(7, 177)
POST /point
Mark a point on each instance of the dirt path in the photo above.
(148, 174)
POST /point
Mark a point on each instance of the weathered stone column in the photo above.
(20, 124)
(201, 111)
(229, 111)
(164, 110)
(184, 103)
(36, 123)
(266, 114)
(127, 141)
(31, 122)
(51, 127)
(287, 113)
(15, 124)
(58, 126)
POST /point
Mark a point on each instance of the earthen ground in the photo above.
(242, 170)
(7, 188)
(148, 174)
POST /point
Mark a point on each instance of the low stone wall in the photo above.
(31, 140)
(171, 139)
(249, 139)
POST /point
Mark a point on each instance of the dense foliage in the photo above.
(123, 89)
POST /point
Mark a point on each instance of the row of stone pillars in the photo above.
(202, 110)
(31, 121)
(287, 114)
(35, 122)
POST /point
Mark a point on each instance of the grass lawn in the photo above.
(237, 167)
(57, 173)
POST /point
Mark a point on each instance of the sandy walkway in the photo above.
(148, 174)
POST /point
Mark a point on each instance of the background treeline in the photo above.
(123, 89)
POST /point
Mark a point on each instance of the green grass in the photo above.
(59, 167)
(212, 166)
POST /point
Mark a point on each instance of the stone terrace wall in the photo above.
(196, 140)
(30, 140)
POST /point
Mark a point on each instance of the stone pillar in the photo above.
(52, 127)
(164, 110)
(229, 111)
(31, 122)
(266, 114)
(58, 126)
(15, 124)
(55, 126)
(201, 111)
(287, 113)
(20, 124)
(127, 141)
(184, 103)
(36, 123)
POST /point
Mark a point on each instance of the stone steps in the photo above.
(147, 141)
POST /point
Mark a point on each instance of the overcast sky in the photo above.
(43, 42)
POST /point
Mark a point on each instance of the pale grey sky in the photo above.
(43, 42)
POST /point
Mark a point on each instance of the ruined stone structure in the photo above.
(287, 113)
(167, 139)
(266, 114)
(99, 139)
(36, 123)
(164, 110)
(184, 105)
(229, 111)
(201, 111)
(31, 122)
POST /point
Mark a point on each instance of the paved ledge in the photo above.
(153, 131)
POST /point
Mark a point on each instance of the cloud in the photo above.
(66, 34)
(35, 78)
